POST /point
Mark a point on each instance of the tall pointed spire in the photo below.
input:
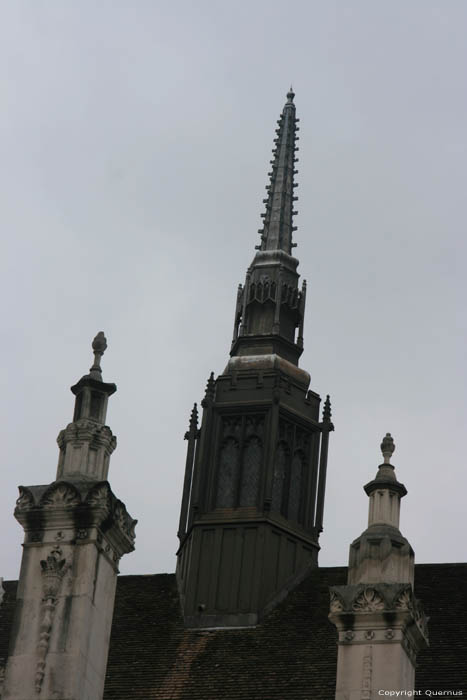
(278, 218)
(255, 476)
(270, 308)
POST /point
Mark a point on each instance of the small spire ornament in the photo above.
(99, 346)
(193, 425)
(210, 391)
(327, 410)
(387, 448)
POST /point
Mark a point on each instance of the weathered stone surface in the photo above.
(76, 531)
(380, 623)
(75, 534)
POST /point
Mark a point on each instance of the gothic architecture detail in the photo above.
(255, 476)
(367, 674)
(378, 603)
(62, 628)
(53, 569)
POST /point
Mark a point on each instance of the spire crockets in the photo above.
(276, 233)
(270, 307)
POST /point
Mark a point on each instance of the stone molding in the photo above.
(378, 612)
(87, 430)
(78, 511)
(85, 449)
(381, 553)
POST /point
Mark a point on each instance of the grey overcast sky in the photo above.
(135, 137)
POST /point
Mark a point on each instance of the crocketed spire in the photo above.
(270, 308)
(276, 233)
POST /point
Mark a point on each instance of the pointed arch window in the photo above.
(280, 472)
(295, 487)
(251, 468)
(228, 473)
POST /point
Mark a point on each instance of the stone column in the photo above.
(76, 530)
(381, 625)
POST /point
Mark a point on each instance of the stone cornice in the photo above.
(79, 505)
(379, 604)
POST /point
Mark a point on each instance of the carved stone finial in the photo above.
(327, 410)
(193, 425)
(290, 95)
(99, 346)
(387, 448)
(194, 417)
(210, 388)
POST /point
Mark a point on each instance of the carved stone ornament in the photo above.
(53, 570)
(60, 494)
(369, 598)
(125, 521)
(336, 604)
(405, 600)
(367, 674)
(25, 500)
(100, 496)
(368, 601)
(85, 430)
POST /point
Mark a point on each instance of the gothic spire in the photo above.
(270, 308)
(276, 233)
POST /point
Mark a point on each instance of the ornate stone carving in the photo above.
(367, 674)
(336, 604)
(88, 431)
(404, 600)
(363, 598)
(60, 494)
(25, 500)
(124, 520)
(99, 495)
(349, 635)
(53, 570)
(389, 634)
(369, 600)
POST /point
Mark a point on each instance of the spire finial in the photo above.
(290, 94)
(327, 410)
(387, 448)
(210, 391)
(99, 346)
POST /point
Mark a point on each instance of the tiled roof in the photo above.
(291, 655)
